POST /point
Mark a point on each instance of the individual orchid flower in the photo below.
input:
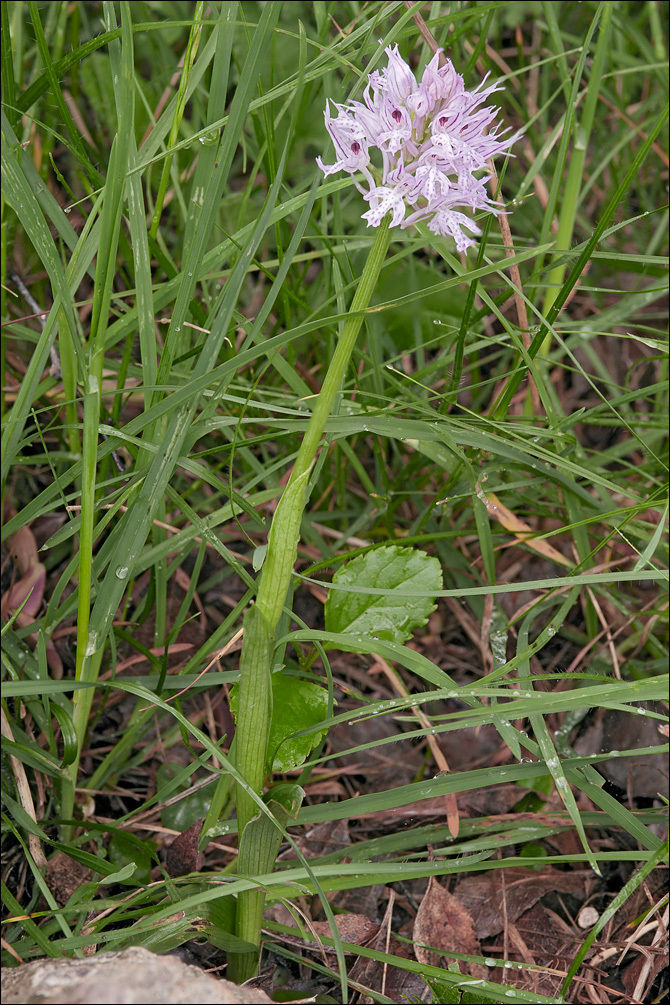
(350, 143)
(432, 143)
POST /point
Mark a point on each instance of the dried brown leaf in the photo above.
(383, 978)
(521, 530)
(28, 590)
(355, 928)
(64, 876)
(492, 897)
(444, 922)
(182, 855)
(323, 839)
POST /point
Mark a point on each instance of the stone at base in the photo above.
(132, 977)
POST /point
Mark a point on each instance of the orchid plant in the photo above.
(433, 143)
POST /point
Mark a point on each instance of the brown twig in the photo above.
(25, 795)
(221, 652)
(451, 806)
(424, 31)
(519, 302)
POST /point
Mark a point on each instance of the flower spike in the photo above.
(433, 141)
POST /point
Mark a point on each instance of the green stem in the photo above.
(283, 538)
(254, 711)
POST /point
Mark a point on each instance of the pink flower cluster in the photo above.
(433, 141)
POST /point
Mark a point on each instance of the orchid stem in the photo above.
(254, 714)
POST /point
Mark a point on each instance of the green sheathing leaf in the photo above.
(392, 617)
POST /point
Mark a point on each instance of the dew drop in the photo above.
(121, 571)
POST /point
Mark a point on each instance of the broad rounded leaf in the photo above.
(296, 704)
(181, 815)
(391, 616)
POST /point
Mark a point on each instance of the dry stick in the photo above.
(608, 633)
(541, 190)
(217, 656)
(656, 147)
(25, 795)
(522, 314)
(388, 918)
(75, 507)
(520, 303)
(661, 933)
(450, 803)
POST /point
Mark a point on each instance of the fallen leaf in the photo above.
(443, 922)
(182, 855)
(382, 977)
(323, 839)
(492, 897)
(355, 928)
(29, 591)
(540, 939)
(65, 875)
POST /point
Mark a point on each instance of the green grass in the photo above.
(196, 274)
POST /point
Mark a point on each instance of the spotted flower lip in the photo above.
(433, 142)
